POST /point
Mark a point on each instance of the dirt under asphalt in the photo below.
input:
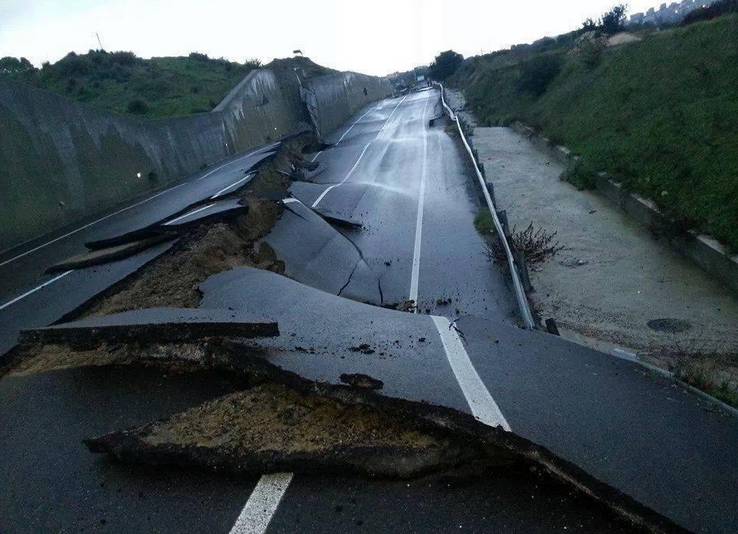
(173, 279)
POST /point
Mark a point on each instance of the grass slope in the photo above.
(156, 87)
(660, 114)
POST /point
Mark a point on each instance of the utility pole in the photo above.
(99, 42)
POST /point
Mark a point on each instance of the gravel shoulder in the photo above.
(615, 285)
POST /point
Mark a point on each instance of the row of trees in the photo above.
(609, 23)
(445, 64)
(12, 65)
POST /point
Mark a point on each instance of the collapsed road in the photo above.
(257, 337)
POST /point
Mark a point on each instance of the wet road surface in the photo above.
(644, 435)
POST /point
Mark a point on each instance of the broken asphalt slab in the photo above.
(323, 336)
(70, 291)
(289, 423)
(126, 397)
(134, 242)
(338, 219)
(51, 483)
(109, 254)
(317, 254)
(529, 373)
(192, 193)
(190, 216)
(635, 430)
(208, 212)
(292, 424)
(160, 324)
(343, 204)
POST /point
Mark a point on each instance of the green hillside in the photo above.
(660, 114)
(124, 83)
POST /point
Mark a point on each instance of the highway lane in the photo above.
(546, 394)
(408, 184)
(51, 483)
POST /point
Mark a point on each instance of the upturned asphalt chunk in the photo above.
(160, 324)
(320, 256)
(110, 254)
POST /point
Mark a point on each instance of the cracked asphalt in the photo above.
(642, 434)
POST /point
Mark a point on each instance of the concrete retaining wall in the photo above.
(62, 162)
(711, 255)
(334, 97)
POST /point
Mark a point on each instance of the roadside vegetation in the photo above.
(445, 64)
(483, 223)
(660, 114)
(712, 371)
(124, 83)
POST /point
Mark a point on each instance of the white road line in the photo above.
(414, 277)
(480, 401)
(30, 292)
(188, 214)
(354, 124)
(26, 253)
(216, 169)
(482, 405)
(351, 171)
(357, 121)
(259, 509)
(234, 184)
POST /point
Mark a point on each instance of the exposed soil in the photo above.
(279, 427)
(272, 417)
(173, 279)
(53, 357)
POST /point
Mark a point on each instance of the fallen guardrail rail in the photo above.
(520, 295)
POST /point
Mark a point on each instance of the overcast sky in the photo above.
(371, 36)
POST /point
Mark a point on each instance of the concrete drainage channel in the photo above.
(189, 311)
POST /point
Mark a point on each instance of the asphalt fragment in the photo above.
(363, 381)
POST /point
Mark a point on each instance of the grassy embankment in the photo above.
(154, 88)
(661, 115)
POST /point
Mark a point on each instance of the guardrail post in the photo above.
(502, 214)
(551, 327)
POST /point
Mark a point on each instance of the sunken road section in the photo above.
(279, 421)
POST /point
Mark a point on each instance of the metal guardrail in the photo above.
(523, 305)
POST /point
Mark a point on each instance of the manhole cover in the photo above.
(672, 326)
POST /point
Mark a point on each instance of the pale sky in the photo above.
(371, 36)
